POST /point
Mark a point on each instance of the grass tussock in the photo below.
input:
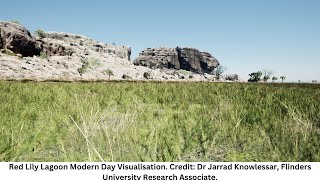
(159, 122)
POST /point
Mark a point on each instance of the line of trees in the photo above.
(264, 76)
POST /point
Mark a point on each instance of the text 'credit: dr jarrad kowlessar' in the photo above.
(140, 166)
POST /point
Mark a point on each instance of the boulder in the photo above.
(232, 77)
(125, 76)
(208, 63)
(147, 75)
(18, 39)
(189, 59)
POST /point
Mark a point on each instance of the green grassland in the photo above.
(131, 121)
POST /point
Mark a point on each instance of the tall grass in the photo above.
(159, 122)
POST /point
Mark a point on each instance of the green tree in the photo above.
(274, 78)
(84, 67)
(81, 70)
(282, 78)
(255, 76)
(40, 33)
(267, 75)
(218, 71)
(109, 72)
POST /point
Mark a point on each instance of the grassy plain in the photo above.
(132, 121)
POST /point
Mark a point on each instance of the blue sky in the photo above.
(245, 36)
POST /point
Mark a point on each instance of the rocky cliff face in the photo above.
(189, 59)
(17, 39)
(71, 57)
(158, 58)
(62, 44)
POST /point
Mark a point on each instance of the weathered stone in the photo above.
(147, 75)
(158, 58)
(189, 59)
(232, 77)
(53, 48)
(208, 63)
(64, 54)
(126, 76)
(17, 39)
(53, 43)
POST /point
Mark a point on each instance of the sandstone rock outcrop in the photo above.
(189, 59)
(70, 57)
(18, 39)
(159, 58)
(209, 62)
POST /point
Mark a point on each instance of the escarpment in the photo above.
(70, 57)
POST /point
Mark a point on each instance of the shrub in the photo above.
(274, 78)
(40, 33)
(108, 72)
(147, 75)
(255, 76)
(126, 76)
(283, 78)
(43, 55)
(267, 75)
(8, 52)
(219, 71)
(84, 67)
(95, 63)
(81, 70)
(16, 22)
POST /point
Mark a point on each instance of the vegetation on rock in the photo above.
(219, 71)
(43, 55)
(108, 72)
(8, 52)
(40, 33)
